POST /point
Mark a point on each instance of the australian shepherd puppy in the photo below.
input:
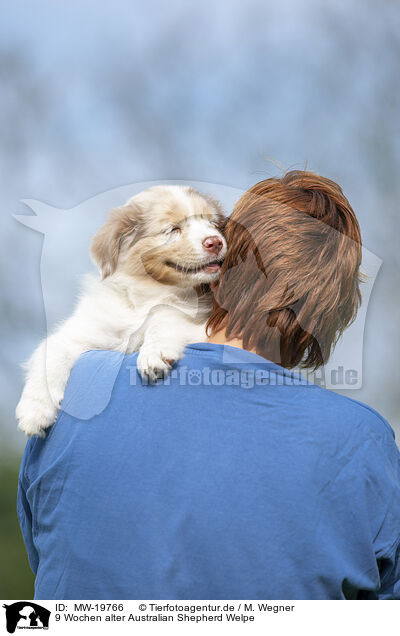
(156, 255)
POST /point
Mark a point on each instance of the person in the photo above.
(235, 477)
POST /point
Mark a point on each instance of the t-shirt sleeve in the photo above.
(383, 488)
(24, 511)
(390, 576)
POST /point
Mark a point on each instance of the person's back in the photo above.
(233, 479)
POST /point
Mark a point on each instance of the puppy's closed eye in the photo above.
(220, 223)
(175, 229)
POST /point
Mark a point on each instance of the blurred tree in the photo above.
(16, 581)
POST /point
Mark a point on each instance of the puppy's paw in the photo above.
(35, 415)
(153, 364)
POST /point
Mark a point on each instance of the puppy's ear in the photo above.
(107, 243)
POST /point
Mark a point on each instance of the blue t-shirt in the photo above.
(233, 479)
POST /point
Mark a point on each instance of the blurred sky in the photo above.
(95, 96)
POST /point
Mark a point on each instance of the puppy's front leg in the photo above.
(48, 371)
(167, 331)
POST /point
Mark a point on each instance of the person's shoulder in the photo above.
(108, 357)
(348, 411)
(96, 364)
(92, 380)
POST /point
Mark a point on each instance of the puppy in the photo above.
(156, 256)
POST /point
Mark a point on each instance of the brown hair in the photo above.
(290, 280)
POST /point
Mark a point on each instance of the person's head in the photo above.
(289, 284)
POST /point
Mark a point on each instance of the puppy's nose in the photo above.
(212, 244)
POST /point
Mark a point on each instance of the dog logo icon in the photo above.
(194, 377)
(26, 615)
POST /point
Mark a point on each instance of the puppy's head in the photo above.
(171, 233)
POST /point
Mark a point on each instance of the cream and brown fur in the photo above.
(151, 296)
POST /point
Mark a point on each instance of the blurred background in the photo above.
(95, 96)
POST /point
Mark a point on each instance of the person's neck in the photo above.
(220, 338)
